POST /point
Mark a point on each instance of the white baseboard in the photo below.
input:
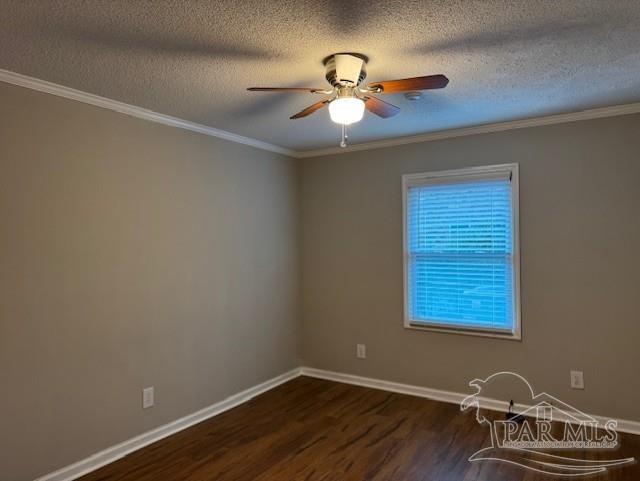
(118, 451)
(624, 425)
(435, 394)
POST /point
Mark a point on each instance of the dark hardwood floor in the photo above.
(315, 430)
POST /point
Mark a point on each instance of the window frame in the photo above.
(424, 178)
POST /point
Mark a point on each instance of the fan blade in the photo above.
(380, 107)
(408, 84)
(286, 89)
(311, 109)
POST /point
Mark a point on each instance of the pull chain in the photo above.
(343, 142)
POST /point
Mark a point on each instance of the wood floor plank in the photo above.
(315, 430)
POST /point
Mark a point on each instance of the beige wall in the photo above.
(132, 254)
(580, 241)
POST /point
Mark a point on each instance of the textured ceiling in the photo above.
(194, 59)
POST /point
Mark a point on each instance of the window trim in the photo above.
(409, 180)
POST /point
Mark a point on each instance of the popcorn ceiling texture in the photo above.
(193, 59)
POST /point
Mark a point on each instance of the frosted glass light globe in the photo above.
(346, 110)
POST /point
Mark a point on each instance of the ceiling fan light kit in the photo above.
(346, 108)
(348, 100)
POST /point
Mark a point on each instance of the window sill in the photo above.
(510, 336)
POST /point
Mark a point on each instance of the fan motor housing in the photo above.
(345, 69)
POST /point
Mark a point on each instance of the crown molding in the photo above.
(139, 112)
(142, 113)
(613, 111)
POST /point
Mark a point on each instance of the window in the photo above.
(461, 251)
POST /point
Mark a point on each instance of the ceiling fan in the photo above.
(348, 99)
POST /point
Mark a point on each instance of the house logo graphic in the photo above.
(545, 436)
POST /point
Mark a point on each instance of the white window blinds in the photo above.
(460, 251)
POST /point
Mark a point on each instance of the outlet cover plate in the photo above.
(148, 397)
(577, 380)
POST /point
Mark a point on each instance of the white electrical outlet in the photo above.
(361, 351)
(147, 397)
(577, 380)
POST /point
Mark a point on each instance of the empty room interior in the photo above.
(319, 240)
